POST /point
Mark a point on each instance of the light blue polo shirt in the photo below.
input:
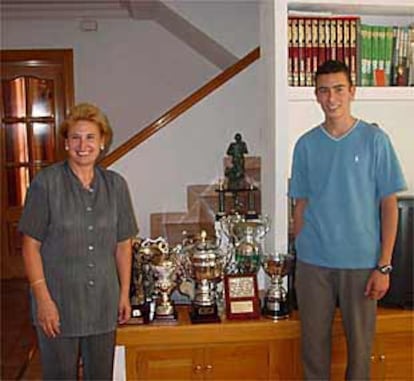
(344, 180)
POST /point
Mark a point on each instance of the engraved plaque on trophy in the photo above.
(242, 297)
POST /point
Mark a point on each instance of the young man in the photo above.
(345, 174)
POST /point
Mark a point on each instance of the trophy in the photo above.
(248, 252)
(276, 265)
(142, 285)
(165, 268)
(246, 240)
(207, 264)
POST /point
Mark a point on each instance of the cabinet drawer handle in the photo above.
(382, 357)
(209, 367)
(372, 358)
(198, 368)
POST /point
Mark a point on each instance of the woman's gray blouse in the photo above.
(79, 230)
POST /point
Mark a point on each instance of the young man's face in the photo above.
(334, 93)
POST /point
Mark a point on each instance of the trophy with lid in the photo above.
(165, 268)
(207, 263)
(276, 265)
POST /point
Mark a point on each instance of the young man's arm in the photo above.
(379, 283)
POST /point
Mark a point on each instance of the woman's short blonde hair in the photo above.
(91, 113)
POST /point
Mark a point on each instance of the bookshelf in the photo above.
(389, 93)
(355, 7)
(291, 111)
(377, 17)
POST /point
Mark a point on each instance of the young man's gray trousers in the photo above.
(318, 291)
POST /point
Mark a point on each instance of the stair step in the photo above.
(203, 205)
(171, 227)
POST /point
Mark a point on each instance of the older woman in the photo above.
(77, 226)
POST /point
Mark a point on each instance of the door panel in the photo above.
(36, 94)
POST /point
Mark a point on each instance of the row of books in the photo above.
(385, 55)
(376, 55)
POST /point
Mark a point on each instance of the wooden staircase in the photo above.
(202, 206)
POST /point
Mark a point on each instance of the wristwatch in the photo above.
(384, 269)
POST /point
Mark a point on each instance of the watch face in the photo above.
(385, 269)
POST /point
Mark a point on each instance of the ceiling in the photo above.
(35, 9)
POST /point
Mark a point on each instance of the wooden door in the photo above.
(36, 93)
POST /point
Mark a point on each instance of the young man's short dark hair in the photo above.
(333, 66)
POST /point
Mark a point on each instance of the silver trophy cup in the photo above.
(276, 265)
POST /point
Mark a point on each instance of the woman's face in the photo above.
(83, 143)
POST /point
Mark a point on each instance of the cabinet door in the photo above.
(285, 360)
(237, 362)
(159, 364)
(396, 354)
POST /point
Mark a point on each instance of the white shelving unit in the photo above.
(292, 110)
(392, 94)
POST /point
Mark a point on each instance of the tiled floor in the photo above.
(19, 354)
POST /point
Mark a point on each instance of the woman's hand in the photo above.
(48, 318)
(124, 309)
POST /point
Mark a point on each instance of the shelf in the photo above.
(358, 7)
(297, 94)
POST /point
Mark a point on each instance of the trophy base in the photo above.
(204, 314)
(171, 319)
(275, 310)
(252, 215)
(139, 314)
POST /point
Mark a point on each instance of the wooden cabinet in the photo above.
(212, 362)
(392, 356)
(249, 350)
(255, 350)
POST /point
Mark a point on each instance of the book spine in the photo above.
(347, 42)
(374, 52)
(315, 47)
(355, 50)
(333, 41)
(328, 39)
(290, 53)
(321, 41)
(411, 55)
(388, 54)
(295, 51)
(402, 69)
(395, 47)
(379, 77)
(308, 51)
(364, 55)
(340, 56)
(301, 53)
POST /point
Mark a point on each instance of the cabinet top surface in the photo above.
(389, 320)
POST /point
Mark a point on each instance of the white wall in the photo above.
(191, 149)
(134, 70)
(235, 24)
